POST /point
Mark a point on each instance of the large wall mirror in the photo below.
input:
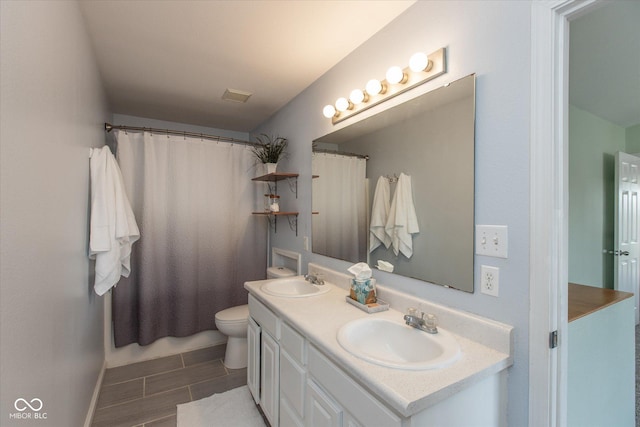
(430, 140)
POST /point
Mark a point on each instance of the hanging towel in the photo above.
(379, 215)
(402, 221)
(113, 226)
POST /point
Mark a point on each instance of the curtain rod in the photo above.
(341, 153)
(109, 127)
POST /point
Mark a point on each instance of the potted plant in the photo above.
(269, 150)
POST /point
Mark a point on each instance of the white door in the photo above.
(627, 242)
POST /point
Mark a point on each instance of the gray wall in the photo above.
(493, 40)
(52, 107)
(436, 150)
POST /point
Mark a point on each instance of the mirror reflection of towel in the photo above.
(379, 215)
(402, 221)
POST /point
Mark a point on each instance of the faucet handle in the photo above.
(412, 311)
(431, 323)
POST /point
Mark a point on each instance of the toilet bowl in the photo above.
(233, 322)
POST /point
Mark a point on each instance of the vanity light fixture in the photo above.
(395, 75)
(357, 96)
(419, 62)
(421, 69)
(329, 111)
(374, 87)
(343, 104)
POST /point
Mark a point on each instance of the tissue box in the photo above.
(363, 291)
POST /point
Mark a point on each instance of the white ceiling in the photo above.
(604, 62)
(173, 60)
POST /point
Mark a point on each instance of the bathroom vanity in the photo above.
(301, 376)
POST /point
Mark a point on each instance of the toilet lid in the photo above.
(238, 313)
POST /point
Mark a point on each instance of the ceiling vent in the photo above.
(236, 95)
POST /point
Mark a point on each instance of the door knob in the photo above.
(620, 253)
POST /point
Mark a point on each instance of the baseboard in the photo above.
(94, 399)
(167, 346)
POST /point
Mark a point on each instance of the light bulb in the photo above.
(357, 96)
(373, 87)
(329, 111)
(342, 104)
(419, 62)
(395, 75)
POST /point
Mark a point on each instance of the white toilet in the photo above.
(233, 323)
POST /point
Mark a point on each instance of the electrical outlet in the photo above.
(489, 280)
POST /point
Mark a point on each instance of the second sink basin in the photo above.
(293, 287)
(396, 345)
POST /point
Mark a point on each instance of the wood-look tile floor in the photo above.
(145, 394)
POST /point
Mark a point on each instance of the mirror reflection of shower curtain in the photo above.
(199, 242)
(339, 198)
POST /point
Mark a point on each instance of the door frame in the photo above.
(548, 233)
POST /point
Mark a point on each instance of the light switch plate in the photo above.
(491, 240)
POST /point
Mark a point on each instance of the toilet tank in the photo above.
(277, 272)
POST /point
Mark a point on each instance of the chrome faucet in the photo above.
(313, 279)
(430, 324)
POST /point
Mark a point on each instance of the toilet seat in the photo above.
(237, 314)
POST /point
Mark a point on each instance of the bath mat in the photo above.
(233, 408)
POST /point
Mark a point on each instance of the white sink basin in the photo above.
(293, 287)
(396, 345)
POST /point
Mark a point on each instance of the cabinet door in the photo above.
(292, 383)
(270, 378)
(288, 417)
(253, 365)
(349, 421)
(322, 411)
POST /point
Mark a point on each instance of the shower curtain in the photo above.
(340, 198)
(199, 242)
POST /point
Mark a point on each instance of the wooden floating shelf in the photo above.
(276, 176)
(275, 213)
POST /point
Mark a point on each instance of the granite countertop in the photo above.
(408, 392)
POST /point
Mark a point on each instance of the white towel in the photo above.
(402, 221)
(113, 226)
(379, 215)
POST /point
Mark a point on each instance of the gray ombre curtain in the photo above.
(340, 198)
(199, 242)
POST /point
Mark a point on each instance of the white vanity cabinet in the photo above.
(297, 386)
(293, 376)
(263, 367)
(309, 380)
(270, 378)
(335, 398)
(253, 360)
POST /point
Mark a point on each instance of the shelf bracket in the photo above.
(293, 223)
(293, 185)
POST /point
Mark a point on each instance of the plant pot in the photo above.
(270, 167)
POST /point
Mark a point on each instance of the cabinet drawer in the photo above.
(322, 410)
(357, 401)
(264, 317)
(293, 342)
